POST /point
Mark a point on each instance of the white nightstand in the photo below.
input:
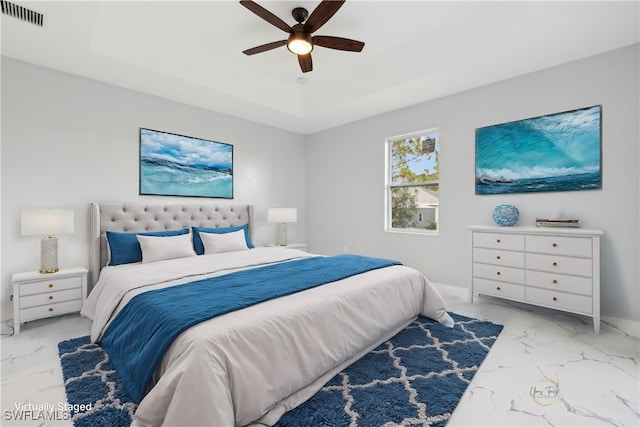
(37, 295)
(300, 246)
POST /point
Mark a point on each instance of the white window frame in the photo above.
(388, 187)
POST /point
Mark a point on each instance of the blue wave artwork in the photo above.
(176, 165)
(557, 152)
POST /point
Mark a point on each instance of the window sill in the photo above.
(413, 231)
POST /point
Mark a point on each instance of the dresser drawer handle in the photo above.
(498, 257)
(50, 308)
(555, 264)
(497, 288)
(50, 296)
(51, 285)
(498, 241)
(555, 281)
(555, 299)
(555, 245)
(498, 273)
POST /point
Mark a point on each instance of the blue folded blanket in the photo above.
(141, 332)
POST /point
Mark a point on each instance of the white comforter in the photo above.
(252, 365)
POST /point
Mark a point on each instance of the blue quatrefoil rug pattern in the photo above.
(415, 378)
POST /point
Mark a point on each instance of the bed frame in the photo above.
(132, 217)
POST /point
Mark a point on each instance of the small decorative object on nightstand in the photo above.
(300, 246)
(36, 296)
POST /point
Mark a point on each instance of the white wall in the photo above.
(345, 174)
(68, 141)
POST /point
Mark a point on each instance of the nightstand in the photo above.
(37, 295)
(300, 246)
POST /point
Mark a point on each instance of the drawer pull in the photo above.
(555, 264)
(555, 299)
(497, 288)
(498, 241)
(50, 296)
(498, 257)
(498, 273)
(555, 245)
(51, 285)
(555, 281)
(50, 309)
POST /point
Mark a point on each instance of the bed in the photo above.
(250, 365)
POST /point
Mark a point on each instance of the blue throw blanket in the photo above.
(141, 332)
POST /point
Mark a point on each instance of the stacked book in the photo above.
(557, 222)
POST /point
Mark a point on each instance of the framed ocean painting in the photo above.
(555, 152)
(178, 165)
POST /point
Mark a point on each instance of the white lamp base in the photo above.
(281, 234)
(49, 254)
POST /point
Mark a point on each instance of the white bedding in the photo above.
(252, 365)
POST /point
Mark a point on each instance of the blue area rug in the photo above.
(415, 378)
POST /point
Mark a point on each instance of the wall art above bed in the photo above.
(178, 165)
(555, 152)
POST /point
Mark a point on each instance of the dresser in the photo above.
(37, 295)
(547, 267)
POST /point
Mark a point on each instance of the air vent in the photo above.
(22, 13)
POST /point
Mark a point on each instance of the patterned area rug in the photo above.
(415, 378)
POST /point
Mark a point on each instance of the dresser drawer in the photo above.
(560, 282)
(499, 257)
(498, 289)
(500, 273)
(50, 298)
(512, 242)
(50, 285)
(560, 264)
(560, 300)
(559, 245)
(56, 309)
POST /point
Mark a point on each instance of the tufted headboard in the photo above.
(156, 217)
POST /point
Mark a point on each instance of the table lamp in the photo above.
(282, 216)
(47, 223)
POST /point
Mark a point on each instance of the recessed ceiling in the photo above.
(415, 51)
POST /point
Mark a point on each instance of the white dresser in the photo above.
(37, 295)
(548, 267)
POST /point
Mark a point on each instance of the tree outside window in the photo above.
(413, 174)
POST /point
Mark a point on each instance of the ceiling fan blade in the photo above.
(321, 14)
(264, 47)
(338, 43)
(306, 64)
(266, 15)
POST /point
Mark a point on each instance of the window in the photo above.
(412, 182)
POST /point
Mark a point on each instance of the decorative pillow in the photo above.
(124, 248)
(215, 243)
(197, 242)
(158, 248)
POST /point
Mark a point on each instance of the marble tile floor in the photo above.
(578, 378)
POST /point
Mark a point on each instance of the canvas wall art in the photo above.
(555, 152)
(178, 165)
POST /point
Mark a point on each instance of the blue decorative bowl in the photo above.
(506, 215)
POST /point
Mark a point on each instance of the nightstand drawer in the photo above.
(499, 289)
(560, 300)
(510, 242)
(50, 310)
(560, 282)
(50, 285)
(560, 264)
(500, 273)
(558, 245)
(498, 257)
(51, 298)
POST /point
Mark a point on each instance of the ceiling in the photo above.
(415, 51)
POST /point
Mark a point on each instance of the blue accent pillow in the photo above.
(197, 241)
(124, 248)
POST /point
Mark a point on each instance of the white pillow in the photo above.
(158, 248)
(215, 243)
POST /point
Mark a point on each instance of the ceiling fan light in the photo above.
(300, 44)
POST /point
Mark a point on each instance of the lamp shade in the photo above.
(43, 222)
(282, 214)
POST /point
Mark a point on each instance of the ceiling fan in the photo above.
(300, 40)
